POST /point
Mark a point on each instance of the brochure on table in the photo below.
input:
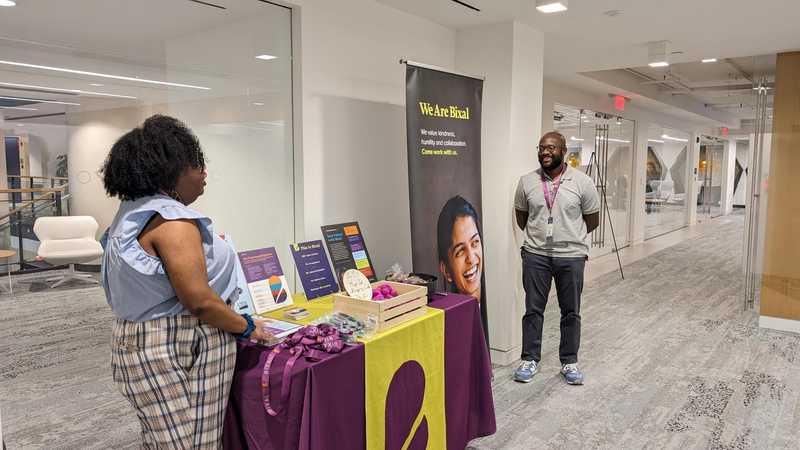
(279, 328)
(266, 283)
(313, 268)
(348, 249)
(244, 304)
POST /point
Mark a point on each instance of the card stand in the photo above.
(409, 304)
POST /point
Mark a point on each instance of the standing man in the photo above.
(557, 207)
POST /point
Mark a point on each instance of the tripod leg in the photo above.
(610, 221)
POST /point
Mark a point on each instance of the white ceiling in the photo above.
(584, 39)
(178, 41)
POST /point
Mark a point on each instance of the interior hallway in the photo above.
(671, 359)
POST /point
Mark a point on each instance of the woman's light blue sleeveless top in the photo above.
(136, 284)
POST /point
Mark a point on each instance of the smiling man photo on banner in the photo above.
(557, 206)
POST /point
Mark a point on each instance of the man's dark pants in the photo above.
(537, 274)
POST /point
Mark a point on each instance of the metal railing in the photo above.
(26, 199)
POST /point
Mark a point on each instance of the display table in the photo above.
(424, 383)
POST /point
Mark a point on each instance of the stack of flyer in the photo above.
(279, 329)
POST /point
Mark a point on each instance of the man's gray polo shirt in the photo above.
(577, 197)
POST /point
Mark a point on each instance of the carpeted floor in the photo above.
(671, 362)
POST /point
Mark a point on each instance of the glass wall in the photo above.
(72, 83)
(602, 146)
(665, 205)
(710, 176)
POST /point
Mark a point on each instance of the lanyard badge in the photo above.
(550, 200)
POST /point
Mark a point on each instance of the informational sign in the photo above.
(313, 268)
(348, 250)
(443, 126)
(243, 304)
(266, 282)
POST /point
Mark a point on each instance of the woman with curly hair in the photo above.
(169, 280)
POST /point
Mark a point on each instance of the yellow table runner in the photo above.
(395, 359)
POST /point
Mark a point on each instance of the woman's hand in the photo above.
(259, 334)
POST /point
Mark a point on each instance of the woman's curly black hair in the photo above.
(149, 159)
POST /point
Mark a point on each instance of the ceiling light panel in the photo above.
(37, 100)
(658, 54)
(70, 91)
(102, 75)
(551, 6)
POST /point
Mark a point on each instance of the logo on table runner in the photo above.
(405, 423)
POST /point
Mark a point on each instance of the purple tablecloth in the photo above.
(468, 372)
(325, 409)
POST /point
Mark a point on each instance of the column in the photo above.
(728, 176)
(639, 183)
(510, 55)
(692, 185)
(780, 284)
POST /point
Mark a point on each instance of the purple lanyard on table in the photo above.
(311, 341)
(549, 198)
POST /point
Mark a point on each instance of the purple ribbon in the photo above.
(312, 341)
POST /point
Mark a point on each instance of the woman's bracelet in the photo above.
(251, 326)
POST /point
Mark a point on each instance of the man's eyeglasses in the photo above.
(548, 148)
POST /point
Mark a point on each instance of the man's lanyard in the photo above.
(550, 198)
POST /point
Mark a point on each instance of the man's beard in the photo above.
(555, 161)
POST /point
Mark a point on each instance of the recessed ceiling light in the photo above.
(551, 6)
(21, 108)
(20, 124)
(73, 91)
(658, 64)
(8, 3)
(573, 138)
(657, 141)
(36, 100)
(258, 104)
(710, 60)
(97, 84)
(102, 75)
(265, 57)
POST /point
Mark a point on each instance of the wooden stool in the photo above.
(6, 254)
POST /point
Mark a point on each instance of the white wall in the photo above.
(89, 144)
(728, 176)
(353, 118)
(510, 55)
(45, 142)
(742, 157)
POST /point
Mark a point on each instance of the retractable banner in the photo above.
(443, 125)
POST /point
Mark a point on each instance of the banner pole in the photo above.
(440, 69)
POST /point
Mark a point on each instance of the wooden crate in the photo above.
(409, 304)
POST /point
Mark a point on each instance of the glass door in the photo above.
(665, 202)
(710, 178)
(601, 145)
